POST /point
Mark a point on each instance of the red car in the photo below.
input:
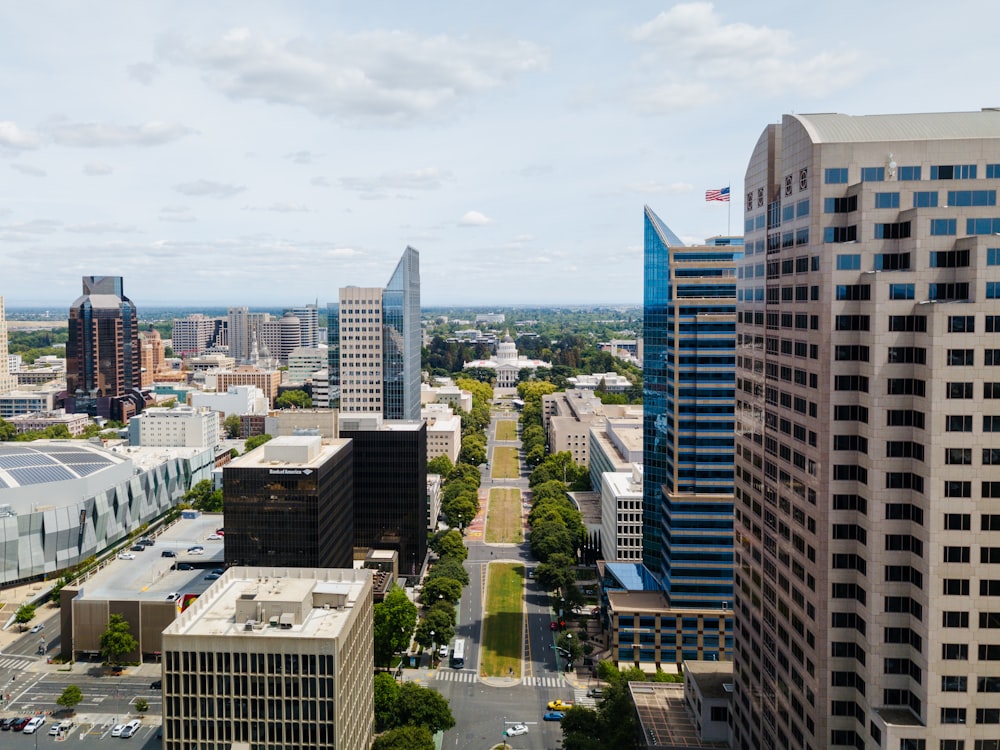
(553, 625)
(18, 724)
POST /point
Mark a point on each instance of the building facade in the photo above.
(621, 515)
(291, 502)
(391, 510)
(197, 333)
(374, 341)
(272, 657)
(7, 380)
(183, 426)
(867, 461)
(102, 352)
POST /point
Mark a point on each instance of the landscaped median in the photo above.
(506, 429)
(503, 518)
(503, 626)
(505, 464)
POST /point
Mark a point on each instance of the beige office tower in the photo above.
(867, 497)
(361, 342)
(7, 381)
(280, 658)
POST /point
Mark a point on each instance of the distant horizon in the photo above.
(53, 307)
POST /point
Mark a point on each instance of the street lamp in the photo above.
(433, 647)
(569, 652)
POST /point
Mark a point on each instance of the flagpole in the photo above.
(729, 209)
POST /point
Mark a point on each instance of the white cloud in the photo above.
(385, 76)
(674, 188)
(474, 219)
(303, 157)
(12, 136)
(102, 227)
(103, 134)
(35, 226)
(29, 170)
(208, 188)
(702, 59)
(281, 208)
(319, 182)
(97, 169)
(419, 179)
(144, 73)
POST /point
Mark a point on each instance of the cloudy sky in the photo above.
(265, 153)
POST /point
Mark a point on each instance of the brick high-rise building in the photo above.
(867, 497)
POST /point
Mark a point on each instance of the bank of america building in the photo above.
(867, 492)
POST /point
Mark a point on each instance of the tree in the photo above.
(204, 497)
(7, 431)
(423, 707)
(394, 620)
(450, 544)
(445, 589)
(449, 567)
(473, 451)
(386, 697)
(70, 698)
(571, 646)
(25, 613)
(232, 426)
(293, 400)
(439, 621)
(256, 441)
(461, 511)
(440, 465)
(117, 641)
(557, 573)
(405, 738)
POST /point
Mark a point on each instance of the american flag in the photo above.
(717, 195)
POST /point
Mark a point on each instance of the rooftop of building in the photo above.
(664, 718)
(637, 601)
(589, 505)
(45, 461)
(928, 126)
(713, 678)
(301, 451)
(622, 483)
(261, 602)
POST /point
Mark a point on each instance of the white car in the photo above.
(516, 730)
(131, 728)
(126, 556)
(32, 726)
(173, 597)
(38, 628)
(116, 730)
(214, 537)
(196, 551)
(59, 727)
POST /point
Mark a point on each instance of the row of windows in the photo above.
(839, 175)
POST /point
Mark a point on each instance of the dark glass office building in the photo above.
(291, 502)
(401, 339)
(390, 486)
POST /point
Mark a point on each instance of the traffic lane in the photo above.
(100, 694)
(481, 711)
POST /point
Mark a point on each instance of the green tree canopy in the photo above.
(439, 620)
(423, 707)
(405, 738)
(449, 567)
(557, 573)
(117, 641)
(460, 511)
(450, 544)
(232, 425)
(466, 473)
(394, 620)
(386, 696)
(440, 465)
(205, 497)
(293, 400)
(24, 613)
(445, 589)
(70, 698)
(256, 441)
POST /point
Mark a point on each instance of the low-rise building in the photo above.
(615, 445)
(303, 361)
(28, 400)
(75, 423)
(237, 399)
(180, 426)
(611, 382)
(267, 380)
(272, 657)
(621, 515)
(444, 431)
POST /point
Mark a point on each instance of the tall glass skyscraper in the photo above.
(374, 341)
(689, 325)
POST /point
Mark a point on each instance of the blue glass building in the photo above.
(689, 328)
(401, 340)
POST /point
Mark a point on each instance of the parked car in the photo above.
(213, 577)
(184, 566)
(559, 705)
(126, 556)
(173, 597)
(196, 550)
(531, 572)
(147, 541)
(168, 553)
(5, 723)
(137, 547)
(116, 730)
(220, 532)
(516, 730)
(38, 628)
(220, 571)
(131, 728)
(595, 693)
(214, 537)
(553, 625)
(20, 723)
(32, 726)
(554, 716)
(156, 685)
(59, 727)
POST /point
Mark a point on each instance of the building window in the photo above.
(960, 357)
(873, 174)
(943, 227)
(886, 200)
(849, 262)
(901, 291)
(835, 176)
(953, 172)
(925, 199)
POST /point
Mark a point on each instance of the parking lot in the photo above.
(83, 736)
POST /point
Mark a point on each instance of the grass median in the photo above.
(503, 627)
(503, 518)
(506, 464)
(506, 429)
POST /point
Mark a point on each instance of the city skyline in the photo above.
(245, 152)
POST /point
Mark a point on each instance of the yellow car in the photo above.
(559, 705)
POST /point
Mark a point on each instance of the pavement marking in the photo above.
(459, 676)
(14, 663)
(543, 681)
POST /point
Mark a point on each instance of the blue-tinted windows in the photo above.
(993, 256)
(850, 262)
(941, 227)
(925, 199)
(909, 173)
(835, 176)
(950, 259)
(886, 200)
(892, 262)
(802, 208)
(972, 197)
(840, 205)
(840, 234)
(901, 291)
(993, 290)
(948, 291)
(873, 174)
(758, 221)
(854, 292)
(953, 172)
(992, 171)
(788, 212)
(982, 226)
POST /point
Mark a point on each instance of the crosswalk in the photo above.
(543, 681)
(449, 675)
(580, 698)
(11, 662)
